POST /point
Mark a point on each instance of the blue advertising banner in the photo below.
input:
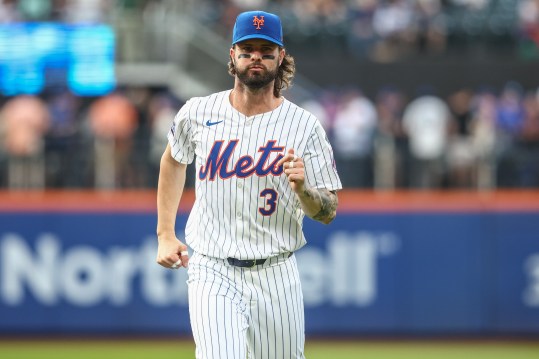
(516, 273)
(383, 272)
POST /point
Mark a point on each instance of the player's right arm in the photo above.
(169, 191)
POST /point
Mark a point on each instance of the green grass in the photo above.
(424, 349)
(171, 349)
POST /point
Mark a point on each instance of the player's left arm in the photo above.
(319, 204)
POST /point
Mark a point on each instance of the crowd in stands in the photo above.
(486, 138)
(392, 30)
(381, 30)
(470, 139)
(58, 140)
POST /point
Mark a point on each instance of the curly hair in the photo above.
(285, 74)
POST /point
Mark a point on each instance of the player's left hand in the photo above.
(294, 169)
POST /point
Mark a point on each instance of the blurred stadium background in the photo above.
(432, 107)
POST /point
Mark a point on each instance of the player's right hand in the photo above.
(172, 253)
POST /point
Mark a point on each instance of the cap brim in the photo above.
(258, 36)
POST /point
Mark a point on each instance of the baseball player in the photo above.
(262, 163)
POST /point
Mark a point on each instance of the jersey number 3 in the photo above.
(270, 195)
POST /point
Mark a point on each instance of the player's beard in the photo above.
(256, 80)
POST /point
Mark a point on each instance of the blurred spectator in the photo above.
(314, 106)
(64, 163)
(9, 12)
(510, 116)
(138, 159)
(528, 23)
(483, 130)
(113, 120)
(353, 131)
(391, 143)
(361, 36)
(316, 16)
(510, 109)
(431, 26)
(392, 22)
(329, 99)
(426, 121)
(24, 121)
(528, 154)
(162, 110)
(461, 157)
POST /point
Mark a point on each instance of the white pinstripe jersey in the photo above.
(244, 205)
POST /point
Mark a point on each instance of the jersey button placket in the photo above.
(239, 230)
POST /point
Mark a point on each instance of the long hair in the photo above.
(285, 74)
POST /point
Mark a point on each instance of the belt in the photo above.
(248, 263)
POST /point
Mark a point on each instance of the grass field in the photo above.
(171, 349)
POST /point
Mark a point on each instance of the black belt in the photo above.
(248, 263)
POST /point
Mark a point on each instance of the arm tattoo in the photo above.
(328, 203)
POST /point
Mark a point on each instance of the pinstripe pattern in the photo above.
(246, 313)
(225, 220)
(245, 209)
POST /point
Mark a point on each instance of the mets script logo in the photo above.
(258, 22)
(220, 156)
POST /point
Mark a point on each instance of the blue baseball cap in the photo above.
(258, 25)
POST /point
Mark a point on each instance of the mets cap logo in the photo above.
(258, 21)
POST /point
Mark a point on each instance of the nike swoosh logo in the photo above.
(209, 123)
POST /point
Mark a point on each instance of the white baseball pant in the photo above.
(239, 313)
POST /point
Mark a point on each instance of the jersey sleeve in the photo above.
(180, 136)
(320, 169)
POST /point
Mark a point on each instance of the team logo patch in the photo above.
(258, 21)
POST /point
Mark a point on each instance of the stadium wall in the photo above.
(409, 263)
